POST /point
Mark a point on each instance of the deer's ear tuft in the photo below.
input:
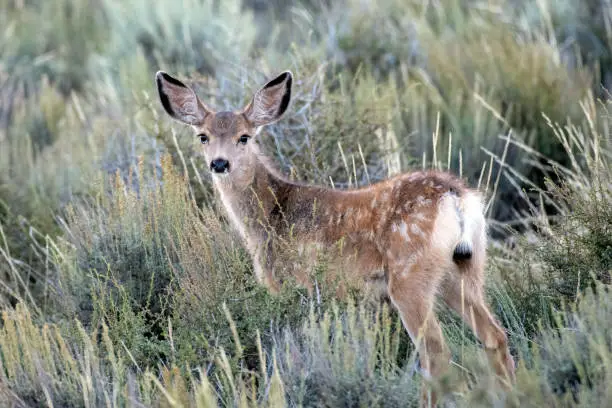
(161, 75)
(163, 97)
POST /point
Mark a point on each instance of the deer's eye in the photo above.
(244, 139)
(203, 139)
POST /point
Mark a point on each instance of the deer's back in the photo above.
(361, 227)
(365, 215)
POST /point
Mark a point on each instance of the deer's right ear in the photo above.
(179, 101)
(271, 101)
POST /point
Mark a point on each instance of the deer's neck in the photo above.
(253, 209)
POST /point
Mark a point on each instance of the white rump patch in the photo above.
(447, 228)
(472, 212)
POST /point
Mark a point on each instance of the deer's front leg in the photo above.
(263, 266)
(273, 271)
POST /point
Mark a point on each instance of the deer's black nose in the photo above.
(219, 165)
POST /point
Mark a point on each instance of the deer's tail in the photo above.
(470, 211)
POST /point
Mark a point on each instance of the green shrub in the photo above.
(41, 365)
(194, 35)
(352, 358)
(45, 160)
(579, 251)
(561, 256)
(567, 363)
(53, 39)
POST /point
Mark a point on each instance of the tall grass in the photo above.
(348, 358)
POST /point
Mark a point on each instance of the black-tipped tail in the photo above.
(463, 251)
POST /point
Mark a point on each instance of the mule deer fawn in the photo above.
(421, 234)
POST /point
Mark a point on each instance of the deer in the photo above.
(420, 235)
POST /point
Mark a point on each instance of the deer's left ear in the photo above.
(271, 101)
(180, 101)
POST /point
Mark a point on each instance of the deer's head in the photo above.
(227, 138)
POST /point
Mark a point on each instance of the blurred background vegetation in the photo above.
(121, 283)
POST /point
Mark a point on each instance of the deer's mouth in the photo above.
(221, 175)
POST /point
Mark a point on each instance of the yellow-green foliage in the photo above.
(182, 34)
(342, 358)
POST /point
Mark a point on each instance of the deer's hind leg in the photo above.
(419, 257)
(463, 291)
(413, 282)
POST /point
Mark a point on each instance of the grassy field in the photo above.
(122, 284)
